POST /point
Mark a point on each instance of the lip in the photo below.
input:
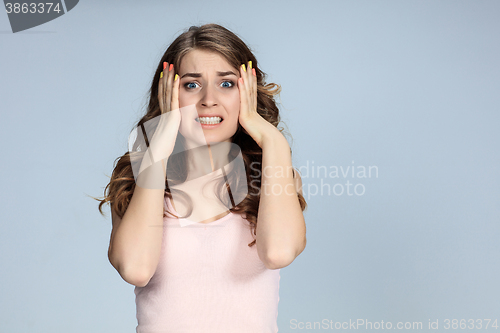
(209, 126)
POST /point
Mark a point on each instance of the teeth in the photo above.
(209, 120)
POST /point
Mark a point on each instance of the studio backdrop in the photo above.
(392, 112)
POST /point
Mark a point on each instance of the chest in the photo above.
(212, 249)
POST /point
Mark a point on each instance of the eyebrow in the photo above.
(218, 74)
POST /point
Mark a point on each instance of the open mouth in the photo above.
(209, 120)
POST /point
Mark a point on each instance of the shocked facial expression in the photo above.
(209, 88)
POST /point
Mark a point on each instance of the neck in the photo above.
(205, 159)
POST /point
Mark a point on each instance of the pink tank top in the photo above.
(208, 280)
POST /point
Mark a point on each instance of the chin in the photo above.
(217, 140)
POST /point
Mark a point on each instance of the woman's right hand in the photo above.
(162, 142)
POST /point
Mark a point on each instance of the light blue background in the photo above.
(411, 87)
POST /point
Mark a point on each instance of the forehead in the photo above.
(201, 61)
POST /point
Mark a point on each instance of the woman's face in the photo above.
(208, 87)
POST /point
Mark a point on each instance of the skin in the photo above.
(209, 93)
(135, 246)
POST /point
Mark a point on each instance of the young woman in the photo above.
(219, 272)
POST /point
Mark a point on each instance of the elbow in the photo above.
(135, 276)
(137, 280)
(280, 259)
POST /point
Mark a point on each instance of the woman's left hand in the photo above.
(258, 128)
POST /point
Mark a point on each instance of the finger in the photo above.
(249, 84)
(168, 84)
(253, 85)
(175, 93)
(161, 100)
(162, 89)
(244, 77)
(243, 96)
(249, 75)
(255, 90)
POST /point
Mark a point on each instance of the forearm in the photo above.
(136, 243)
(281, 227)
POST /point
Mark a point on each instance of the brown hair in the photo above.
(215, 38)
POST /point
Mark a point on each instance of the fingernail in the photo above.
(253, 71)
(176, 77)
(170, 68)
(250, 64)
(164, 65)
(161, 75)
(244, 69)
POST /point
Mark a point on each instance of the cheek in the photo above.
(234, 104)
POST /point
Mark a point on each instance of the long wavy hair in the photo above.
(215, 38)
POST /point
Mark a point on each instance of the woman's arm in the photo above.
(135, 243)
(281, 229)
(136, 238)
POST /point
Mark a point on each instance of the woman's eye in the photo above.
(227, 84)
(190, 85)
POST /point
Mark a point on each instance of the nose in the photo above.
(209, 97)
